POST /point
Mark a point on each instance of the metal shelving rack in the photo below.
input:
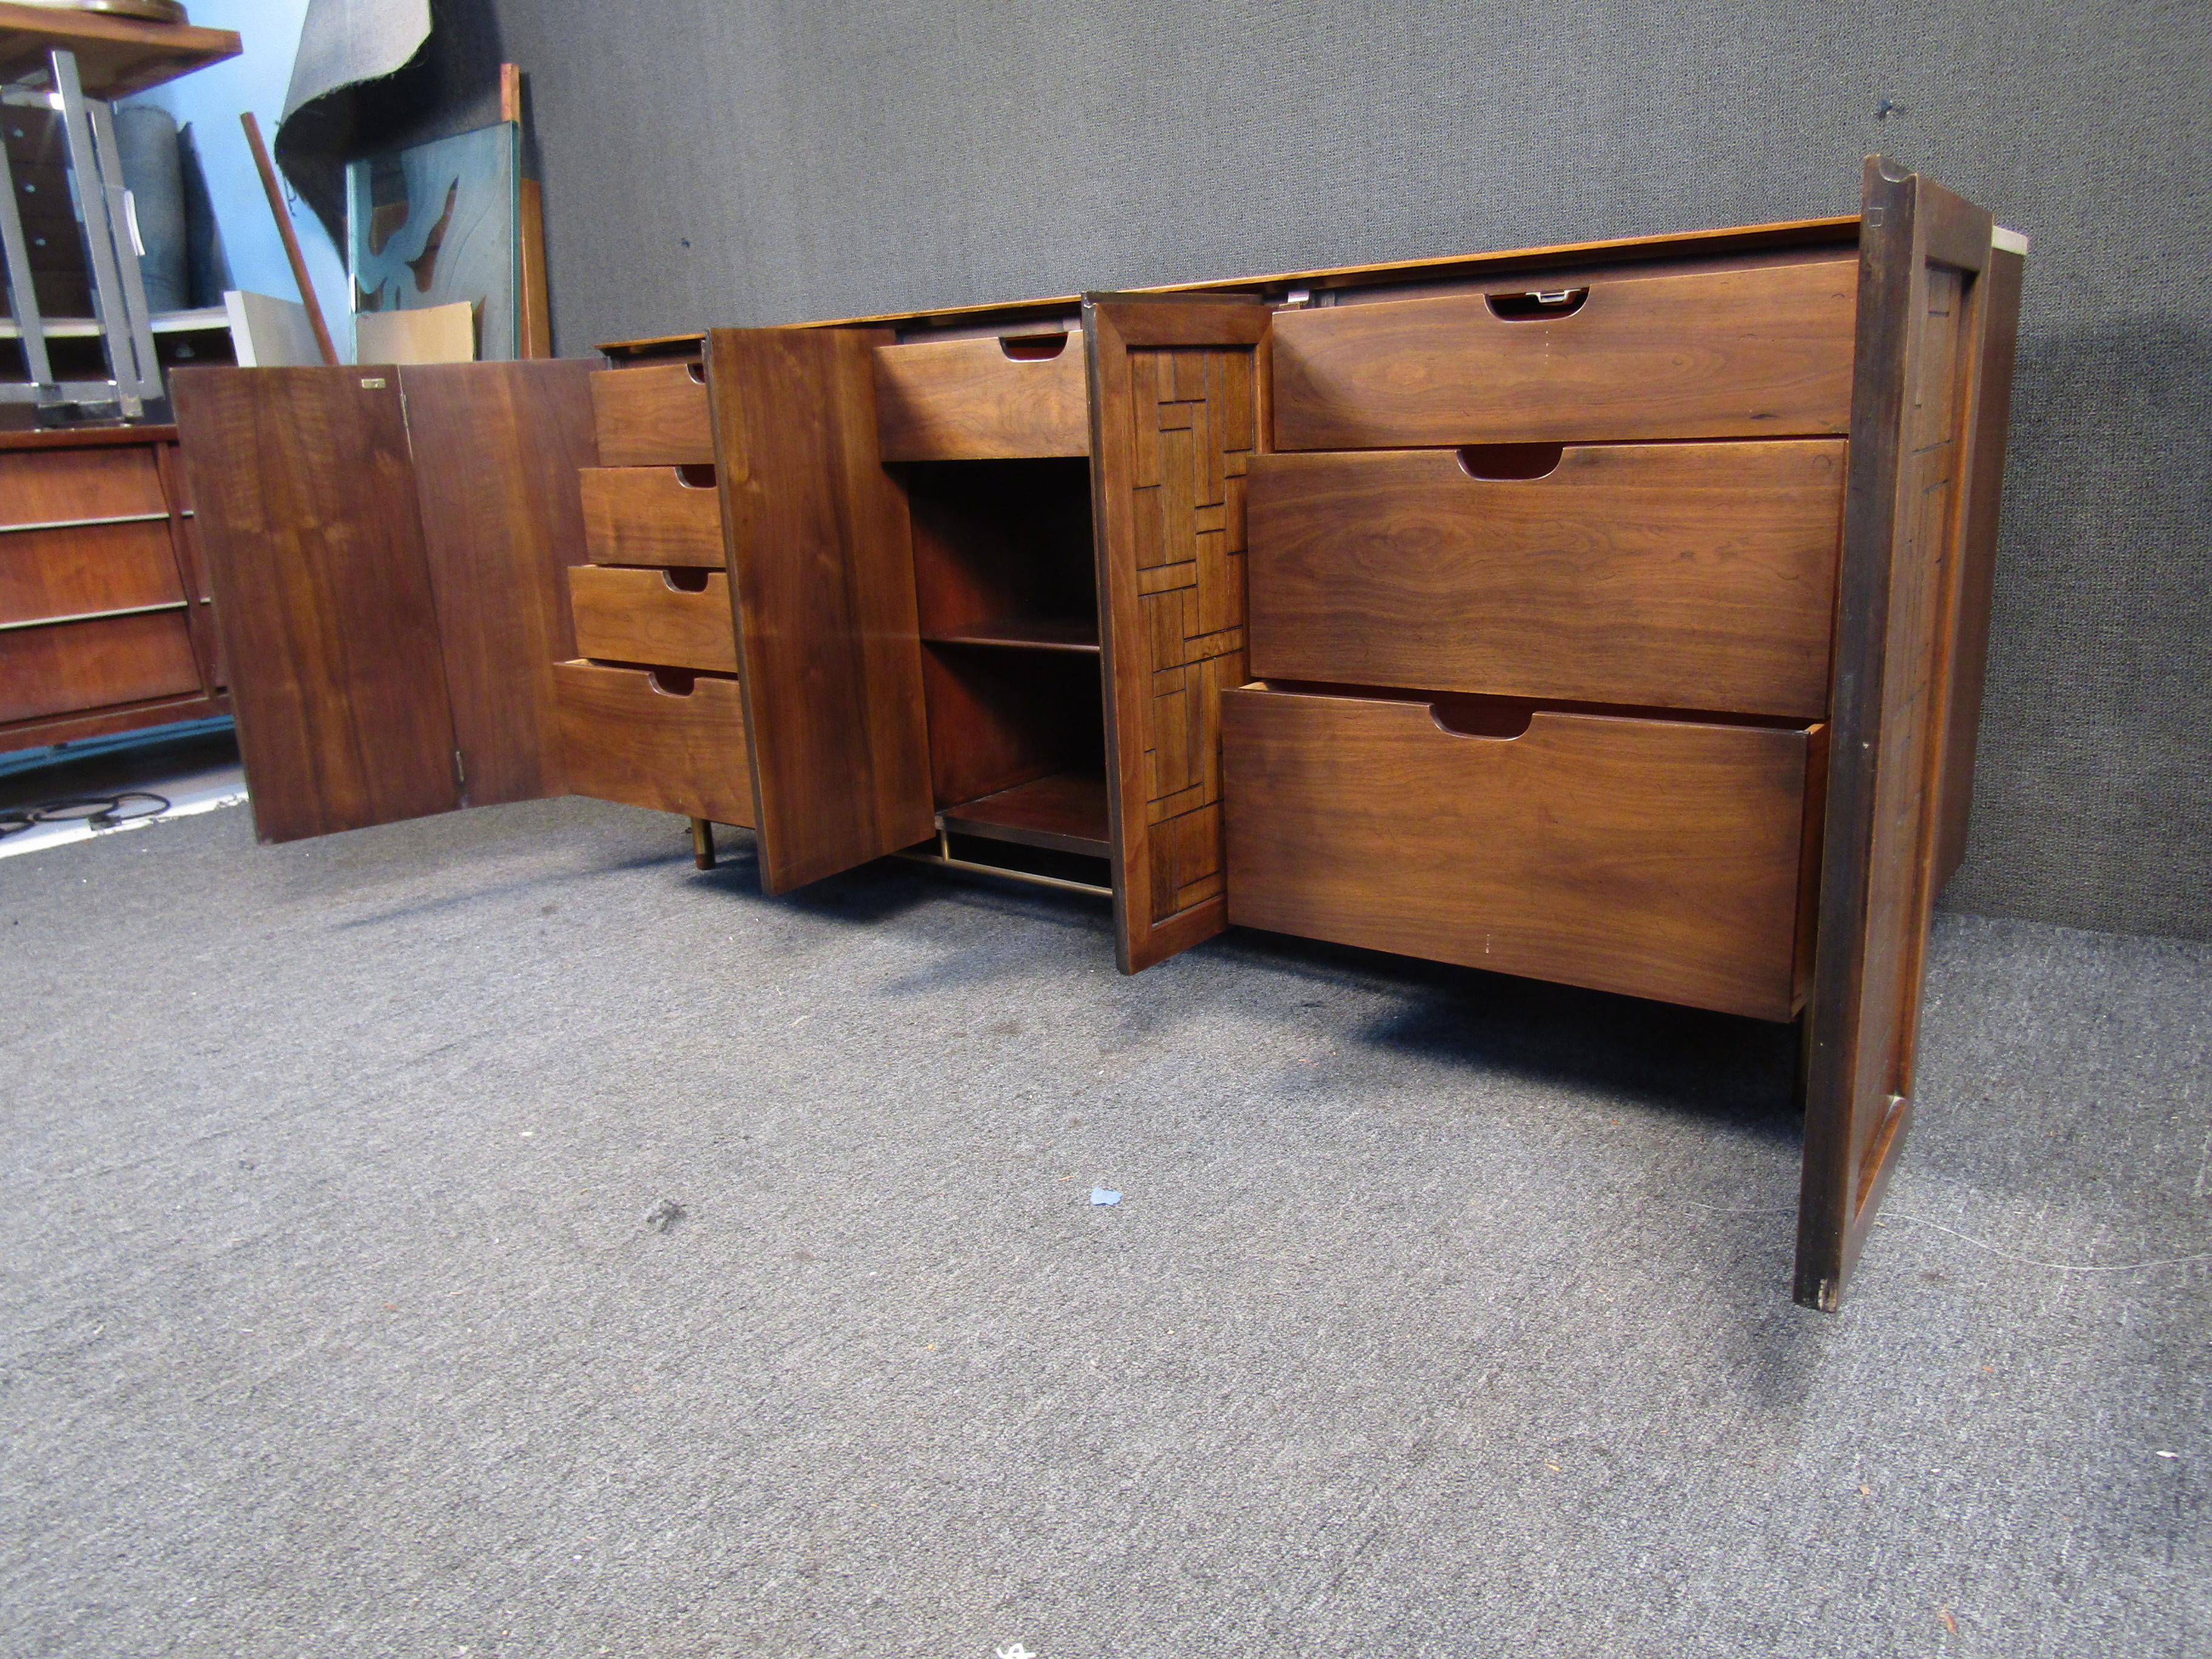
(76, 64)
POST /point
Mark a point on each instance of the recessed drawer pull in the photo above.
(694, 474)
(1487, 722)
(672, 682)
(686, 582)
(1033, 348)
(1504, 463)
(1537, 305)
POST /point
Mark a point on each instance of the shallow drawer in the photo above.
(983, 400)
(69, 573)
(653, 417)
(656, 515)
(646, 616)
(675, 742)
(1758, 351)
(56, 486)
(1697, 576)
(1661, 859)
(68, 666)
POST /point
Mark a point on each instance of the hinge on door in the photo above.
(460, 775)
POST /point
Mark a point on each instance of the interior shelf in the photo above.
(1024, 633)
(1065, 810)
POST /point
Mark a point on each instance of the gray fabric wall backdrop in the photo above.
(739, 162)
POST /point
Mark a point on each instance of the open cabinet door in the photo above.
(821, 560)
(305, 505)
(498, 447)
(1177, 385)
(1921, 383)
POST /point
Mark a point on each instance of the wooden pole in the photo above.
(275, 192)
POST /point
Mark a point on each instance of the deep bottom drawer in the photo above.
(1657, 858)
(631, 735)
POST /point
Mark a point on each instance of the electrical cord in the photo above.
(101, 811)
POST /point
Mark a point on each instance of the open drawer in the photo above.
(991, 399)
(1659, 858)
(652, 515)
(1697, 576)
(670, 618)
(656, 415)
(673, 742)
(1754, 351)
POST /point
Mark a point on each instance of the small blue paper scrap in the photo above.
(1105, 1195)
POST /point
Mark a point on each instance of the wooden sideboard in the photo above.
(1613, 614)
(105, 618)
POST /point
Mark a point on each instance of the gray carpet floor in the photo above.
(1441, 1314)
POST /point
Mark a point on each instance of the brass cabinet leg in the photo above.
(702, 843)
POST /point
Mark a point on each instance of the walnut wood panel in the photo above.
(56, 485)
(305, 502)
(653, 515)
(642, 616)
(1697, 576)
(1656, 858)
(77, 666)
(68, 572)
(821, 564)
(1761, 351)
(982, 399)
(673, 743)
(1921, 351)
(496, 447)
(1977, 542)
(655, 416)
(1177, 417)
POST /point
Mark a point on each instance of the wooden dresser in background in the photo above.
(105, 625)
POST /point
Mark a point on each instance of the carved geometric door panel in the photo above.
(1176, 385)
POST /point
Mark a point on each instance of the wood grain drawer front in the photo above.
(94, 568)
(652, 515)
(1697, 576)
(642, 616)
(627, 734)
(653, 417)
(64, 486)
(76, 666)
(1756, 352)
(982, 400)
(1657, 858)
